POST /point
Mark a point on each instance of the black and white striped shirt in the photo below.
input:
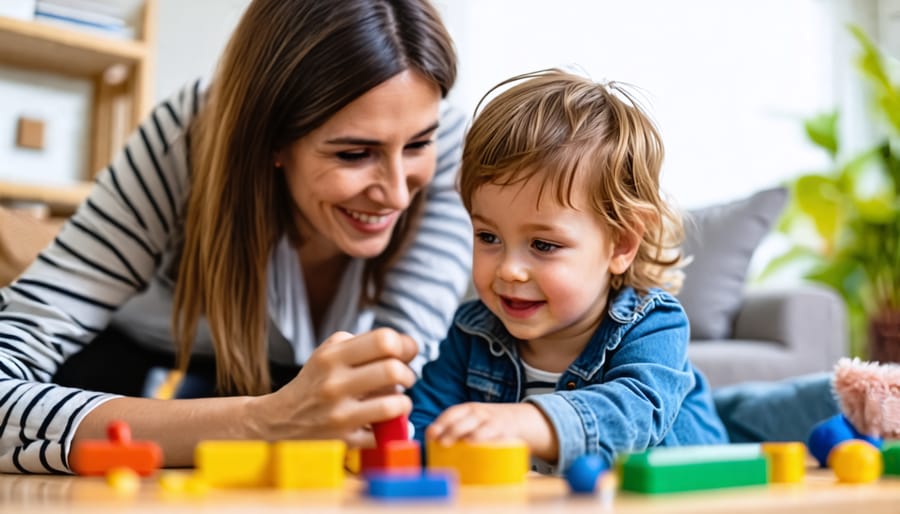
(112, 253)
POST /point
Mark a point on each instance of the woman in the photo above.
(306, 196)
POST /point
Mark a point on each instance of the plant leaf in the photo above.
(822, 130)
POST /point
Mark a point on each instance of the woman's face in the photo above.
(353, 177)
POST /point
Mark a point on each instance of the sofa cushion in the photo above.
(721, 240)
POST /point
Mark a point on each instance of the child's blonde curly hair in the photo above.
(569, 131)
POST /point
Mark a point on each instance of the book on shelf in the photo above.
(114, 18)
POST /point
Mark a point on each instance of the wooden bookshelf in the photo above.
(122, 74)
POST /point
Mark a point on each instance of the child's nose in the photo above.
(512, 269)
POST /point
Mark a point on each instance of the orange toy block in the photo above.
(493, 463)
(233, 463)
(97, 458)
(401, 456)
(308, 464)
(787, 462)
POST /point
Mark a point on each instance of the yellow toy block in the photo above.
(233, 463)
(308, 464)
(180, 483)
(353, 460)
(787, 462)
(489, 463)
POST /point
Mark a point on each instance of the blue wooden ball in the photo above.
(584, 473)
(830, 432)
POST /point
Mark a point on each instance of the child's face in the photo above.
(543, 271)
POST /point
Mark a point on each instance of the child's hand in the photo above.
(476, 422)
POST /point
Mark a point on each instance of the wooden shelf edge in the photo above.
(63, 196)
(60, 49)
(124, 49)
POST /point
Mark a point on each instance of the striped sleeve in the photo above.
(104, 254)
(424, 288)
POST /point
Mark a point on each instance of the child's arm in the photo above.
(443, 383)
(646, 382)
(497, 421)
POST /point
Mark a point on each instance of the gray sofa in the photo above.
(777, 333)
(741, 334)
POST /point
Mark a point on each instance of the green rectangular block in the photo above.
(693, 468)
(891, 454)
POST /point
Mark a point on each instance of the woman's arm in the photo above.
(329, 399)
(106, 252)
(424, 288)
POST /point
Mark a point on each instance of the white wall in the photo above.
(192, 34)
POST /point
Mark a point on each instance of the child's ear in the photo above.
(625, 249)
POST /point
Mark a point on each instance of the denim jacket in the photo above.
(631, 388)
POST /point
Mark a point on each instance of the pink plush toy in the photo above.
(869, 395)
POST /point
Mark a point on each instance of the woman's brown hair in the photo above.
(289, 66)
(570, 133)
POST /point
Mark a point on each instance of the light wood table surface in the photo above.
(546, 495)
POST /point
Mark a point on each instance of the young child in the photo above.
(576, 344)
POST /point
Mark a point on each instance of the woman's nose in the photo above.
(392, 188)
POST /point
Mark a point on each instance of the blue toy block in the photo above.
(430, 485)
(584, 473)
(830, 432)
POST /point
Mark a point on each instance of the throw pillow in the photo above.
(722, 239)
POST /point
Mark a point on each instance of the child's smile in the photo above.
(518, 308)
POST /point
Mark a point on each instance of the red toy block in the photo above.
(395, 456)
(396, 429)
(96, 458)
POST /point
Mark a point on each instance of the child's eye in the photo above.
(544, 246)
(486, 237)
(419, 145)
(356, 155)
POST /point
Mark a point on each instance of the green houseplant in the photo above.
(845, 222)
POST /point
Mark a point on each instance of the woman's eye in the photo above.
(353, 156)
(544, 246)
(486, 237)
(418, 145)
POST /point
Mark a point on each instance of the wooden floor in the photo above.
(820, 494)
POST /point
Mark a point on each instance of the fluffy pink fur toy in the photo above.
(869, 395)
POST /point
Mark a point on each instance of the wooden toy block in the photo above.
(97, 458)
(394, 456)
(693, 468)
(891, 456)
(856, 462)
(123, 480)
(233, 463)
(396, 429)
(431, 485)
(353, 460)
(182, 483)
(787, 462)
(492, 463)
(308, 464)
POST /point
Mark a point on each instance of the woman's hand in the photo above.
(480, 422)
(348, 383)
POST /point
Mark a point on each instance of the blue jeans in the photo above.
(775, 411)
